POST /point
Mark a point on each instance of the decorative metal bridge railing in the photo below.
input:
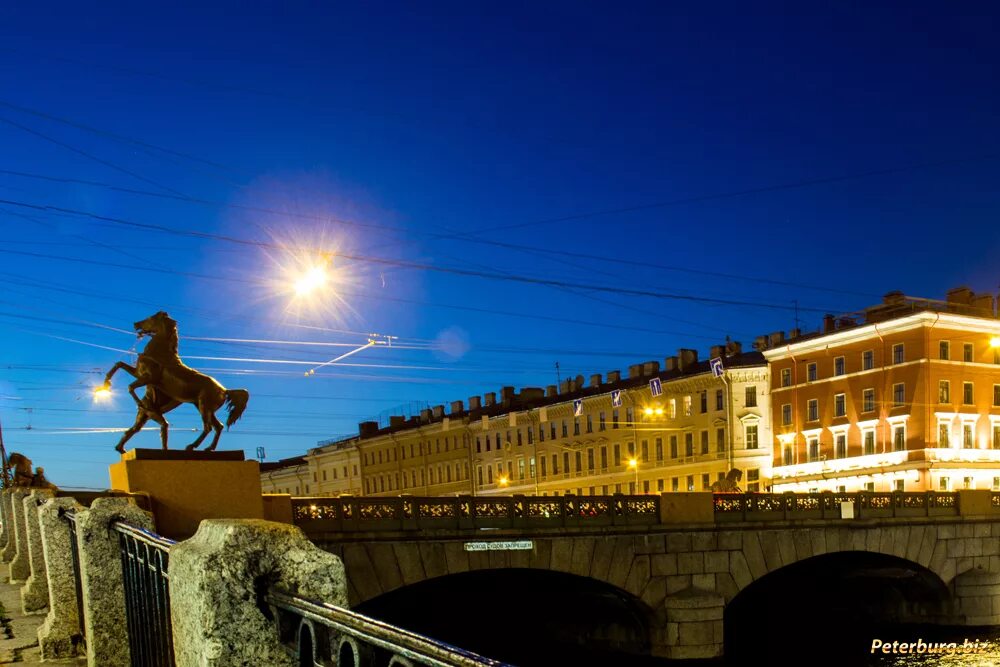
(145, 560)
(469, 512)
(865, 504)
(316, 633)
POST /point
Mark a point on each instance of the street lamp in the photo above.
(634, 464)
(102, 393)
(995, 342)
(503, 481)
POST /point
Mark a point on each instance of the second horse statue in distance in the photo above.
(169, 382)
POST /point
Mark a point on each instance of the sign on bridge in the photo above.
(517, 545)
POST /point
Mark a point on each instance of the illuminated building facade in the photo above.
(902, 397)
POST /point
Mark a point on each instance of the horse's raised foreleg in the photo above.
(121, 365)
(140, 421)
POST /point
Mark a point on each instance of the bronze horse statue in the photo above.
(23, 477)
(730, 484)
(169, 382)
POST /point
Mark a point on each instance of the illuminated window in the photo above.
(944, 484)
(672, 408)
(900, 485)
(786, 377)
(690, 482)
(687, 406)
(944, 434)
(753, 480)
(944, 391)
(967, 391)
(811, 372)
(996, 483)
(812, 410)
(898, 353)
(786, 414)
(869, 486)
(944, 350)
(675, 484)
(787, 455)
(899, 437)
(996, 436)
(840, 446)
(840, 405)
(750, 432)
(898, 394)
(968, 483)
(967, 352)
(967, 439)
(867, 360)
(751, 396)
(838, 366)
(868, 400)
(706, 482)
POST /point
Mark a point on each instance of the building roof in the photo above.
(291, 462)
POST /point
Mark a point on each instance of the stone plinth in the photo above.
(187, 487)
(20, 568)
(59, 636)
(217, 576)
(693, 627)
(35, 593)
(7, 518)
(101, 576)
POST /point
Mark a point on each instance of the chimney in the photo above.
(777, 338)
(438, 411)
(634, 371)
(531, 394)
(651, 368)
(716, 351)
(983, 303)
(794, 333)
(671, 364)
(735, 347)
(686, 358)
(564, 386)
(551, 390)
(760, 343)
(425, 415)
(614, 377)
(397, 421)
(456, 407)
(595, 380)
(490, 398)
(828, 322)
(845, 322)
(578, 383)
(897, 298)
(367, 429)
(506, 394)
(475, 403)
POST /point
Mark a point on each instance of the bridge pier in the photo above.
(689, 626)
(977, 598)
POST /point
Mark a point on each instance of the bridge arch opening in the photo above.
(523, 616)
(827, 609)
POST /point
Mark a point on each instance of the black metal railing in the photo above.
(145, 560)
(469, 512)
(863, 504)
(318, 633)
(77, 578)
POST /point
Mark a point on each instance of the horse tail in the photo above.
(236, 403)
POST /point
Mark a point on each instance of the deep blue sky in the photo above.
(443, 117)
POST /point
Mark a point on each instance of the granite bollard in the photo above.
(215, 580)
(20, 569)
(101, 576)
(7, 521)
(59, 636)
(35, 593)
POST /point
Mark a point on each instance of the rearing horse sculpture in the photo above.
(169, 382)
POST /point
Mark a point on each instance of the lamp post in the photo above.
(634, 464)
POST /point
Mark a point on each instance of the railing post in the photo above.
(8, 521)
(20, 569)
(101, 575)
(216, 580)
(60, 633)
(35, 593)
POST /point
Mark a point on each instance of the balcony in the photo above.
(851, 463)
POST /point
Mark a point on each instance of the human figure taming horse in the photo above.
(169, 382)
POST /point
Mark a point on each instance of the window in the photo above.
(479, 474)
(811, 372)
(565, 429)
(786, 414)
(787, 455)
(900, 485)
(944, 391)
(898, 353)
(996, 394)
(719, 400)
(604, 458)
(786, 377)
(555, 464)
(869, 486)
(899, 437)
(838, 366)
(996, 436)
(590, 424)
(996, 483)
(673, 446)
(704, 402)
(812, 410)
(566, 468)
(751, 396)
(541, 466)
(720, 439)
(519, 442)
(944, 350)
(672, 408)
(751, 436)
(689, 444)
(659, 485)
(706, 483)
(659, 449)
(968, 483)
(531, 435)
(944, 434)
(618, 455)
(576, 426)
(944, 484)
(868, 442)
(600, 421)
(967, 352)
(687, 406)
(614, 418)
(840, 446)
(967, 397)
(704, 442)
(898, 394)
(867, 360)
(645, 451)
(868, 400)
(813, 448)
(628, 416)
(690, 482)
(967, 440)
(675, 484)
(590, 459)
(840, 405)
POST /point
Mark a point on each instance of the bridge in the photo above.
(674, 575)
